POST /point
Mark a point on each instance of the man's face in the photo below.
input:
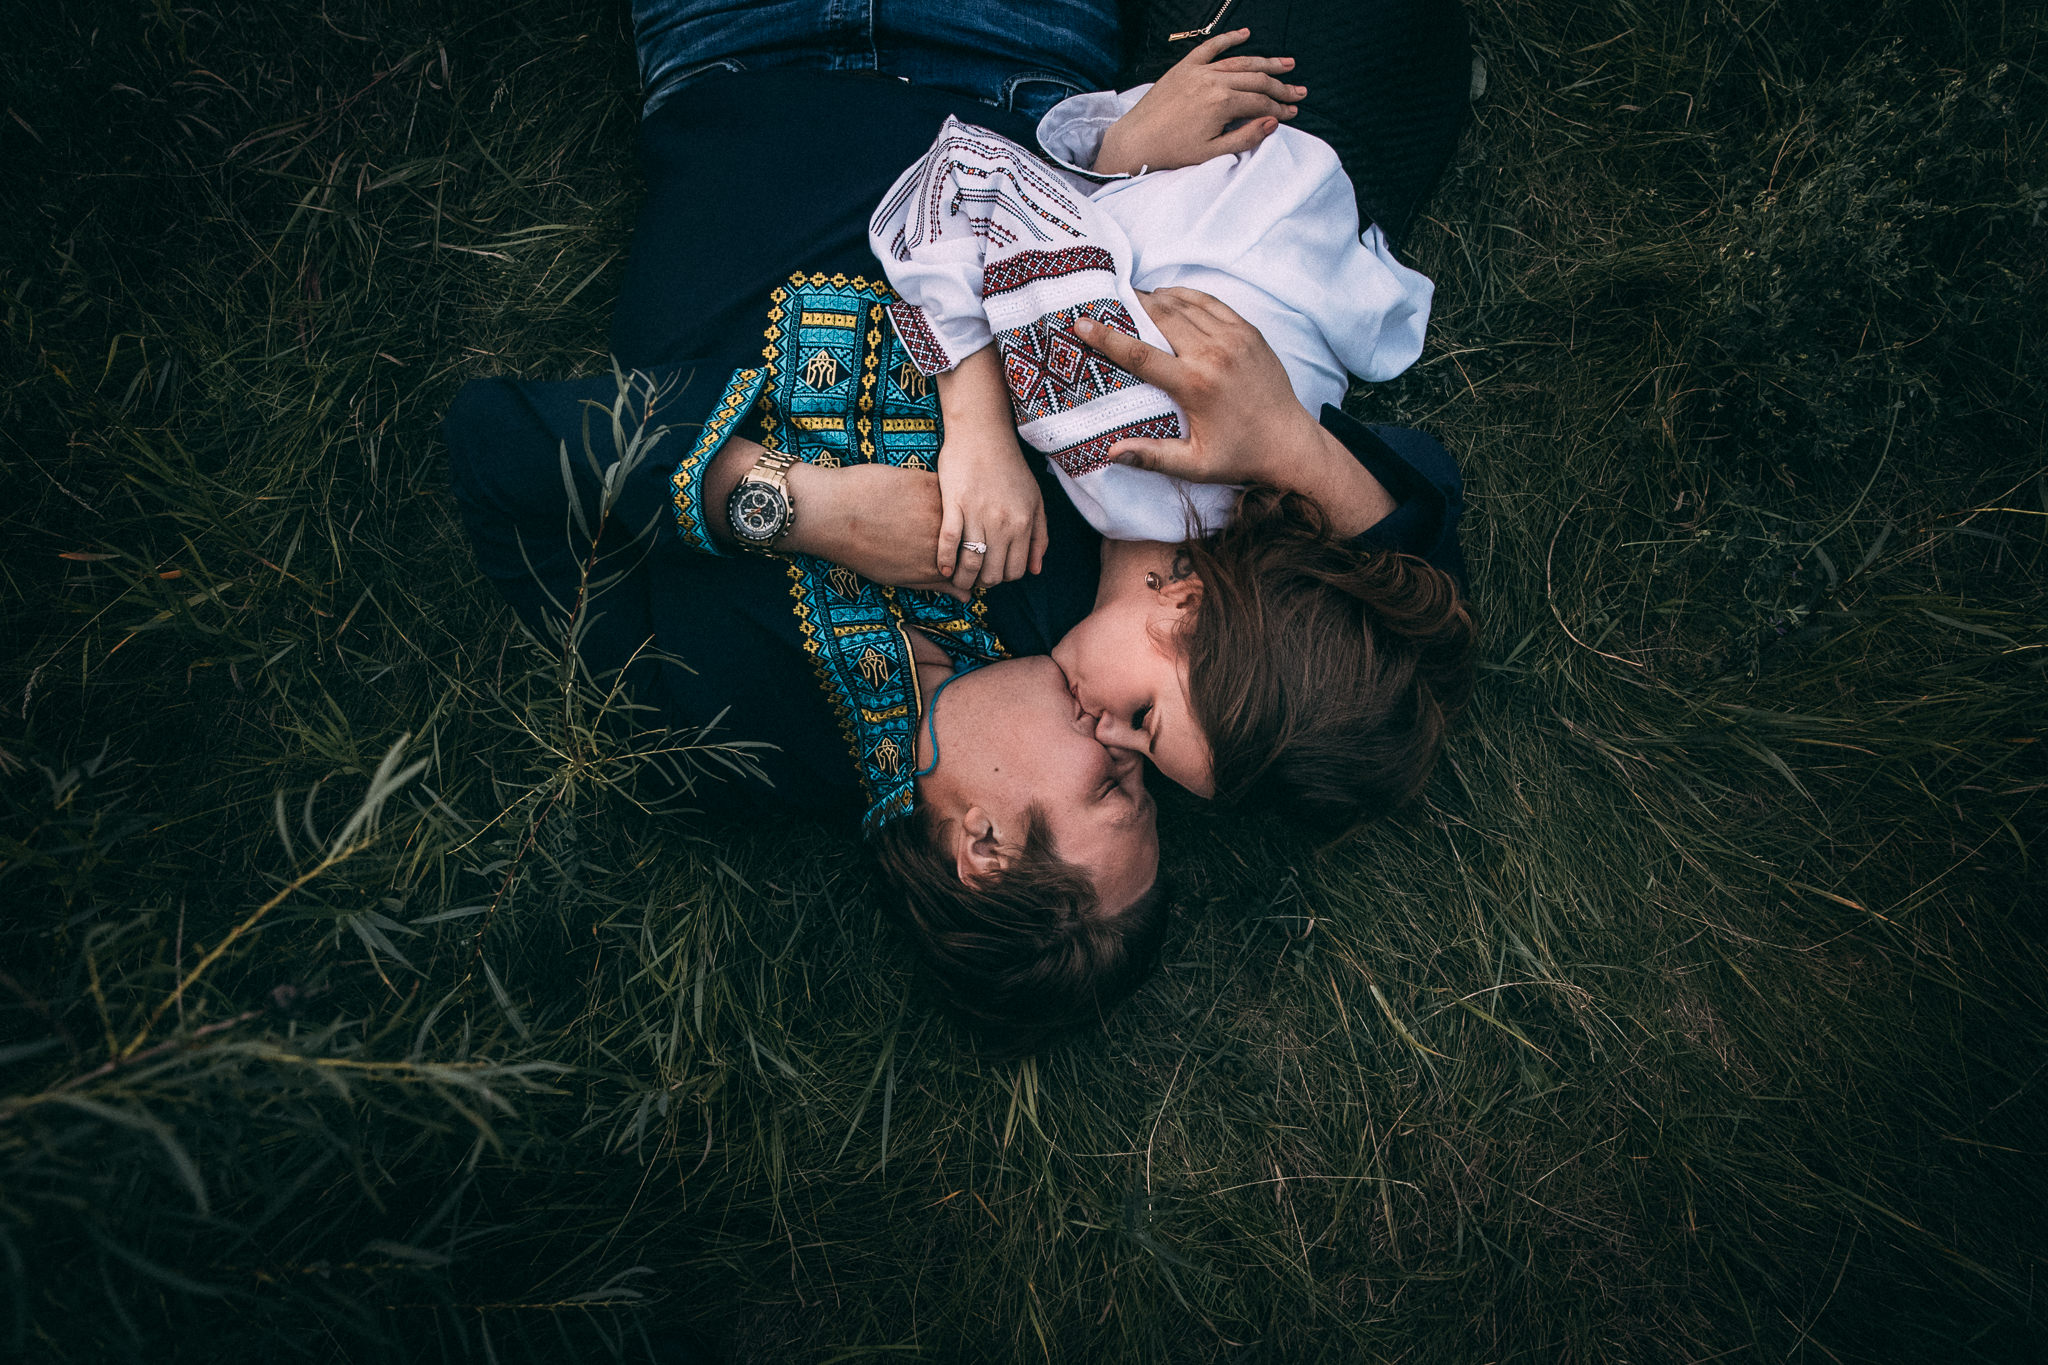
(1011, 736)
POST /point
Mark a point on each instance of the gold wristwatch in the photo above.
(759, 510)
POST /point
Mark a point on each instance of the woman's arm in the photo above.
(987, 494)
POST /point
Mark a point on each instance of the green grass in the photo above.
(1697, 1014)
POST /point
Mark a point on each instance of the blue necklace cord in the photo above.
(931, 711)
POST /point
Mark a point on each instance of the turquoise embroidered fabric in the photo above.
(836, 386)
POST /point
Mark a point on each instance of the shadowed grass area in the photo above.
(352, 1005)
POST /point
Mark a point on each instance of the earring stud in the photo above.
(1152, 581)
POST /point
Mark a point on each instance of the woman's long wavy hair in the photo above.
(1324, 675)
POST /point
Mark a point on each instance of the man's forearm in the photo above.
(815, 529)
(881, 522)
(1321, 467)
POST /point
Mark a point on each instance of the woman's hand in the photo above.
(992, 526)
(1244, 423)
(988, 498)
(1186, 117)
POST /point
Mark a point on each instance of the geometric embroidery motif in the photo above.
(838, 386)
(1049, 371)
(821, 371)
(686, 484)
(927, 356)
(874, 666)
(1092, 454)
(1014, 272)
(911, 382)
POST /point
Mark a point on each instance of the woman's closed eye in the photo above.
(1140, 716)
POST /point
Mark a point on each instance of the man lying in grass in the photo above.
(776, 416)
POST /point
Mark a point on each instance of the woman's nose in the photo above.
(1111, 731)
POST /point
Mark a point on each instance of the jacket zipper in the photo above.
(1207, 29)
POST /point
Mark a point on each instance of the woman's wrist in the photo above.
(973, 395)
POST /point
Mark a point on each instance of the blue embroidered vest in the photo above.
(836, 386)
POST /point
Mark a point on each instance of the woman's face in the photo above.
(1126, 667)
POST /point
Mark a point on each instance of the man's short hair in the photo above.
(1026, 954)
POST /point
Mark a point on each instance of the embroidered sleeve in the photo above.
(972, 199)
(686, 485)
(985, 242)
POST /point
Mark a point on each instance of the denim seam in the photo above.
(673, 83)
(1023, 78)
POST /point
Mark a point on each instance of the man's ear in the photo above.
(977, 854)
(1184, 594)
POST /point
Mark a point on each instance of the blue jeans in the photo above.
(1024, 56)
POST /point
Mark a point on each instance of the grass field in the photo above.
(351, 1008)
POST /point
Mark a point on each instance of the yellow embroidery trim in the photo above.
(809, 630)
(869, 370)
(684, 485)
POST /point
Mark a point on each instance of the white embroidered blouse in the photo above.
(984, 241)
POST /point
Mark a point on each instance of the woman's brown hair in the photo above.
(1323, 674)
(1024, 955)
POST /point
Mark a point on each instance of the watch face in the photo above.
(758, 511)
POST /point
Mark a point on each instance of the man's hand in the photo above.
(1186, 117)
(878, 520)
(1244, 423)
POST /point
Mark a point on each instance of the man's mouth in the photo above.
(1074, 691)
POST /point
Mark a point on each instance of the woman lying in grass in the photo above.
(1270, 660)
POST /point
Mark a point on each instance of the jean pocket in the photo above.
(1034, 93)
(671, 82)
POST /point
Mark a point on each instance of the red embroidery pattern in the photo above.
(1014, 272)
(1093, 453)
(916, 334)
(1049, 371)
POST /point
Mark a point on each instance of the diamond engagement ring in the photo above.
(974, 545)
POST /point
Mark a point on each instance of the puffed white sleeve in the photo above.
(933, 255)
(986, 243)
(1071, 132)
